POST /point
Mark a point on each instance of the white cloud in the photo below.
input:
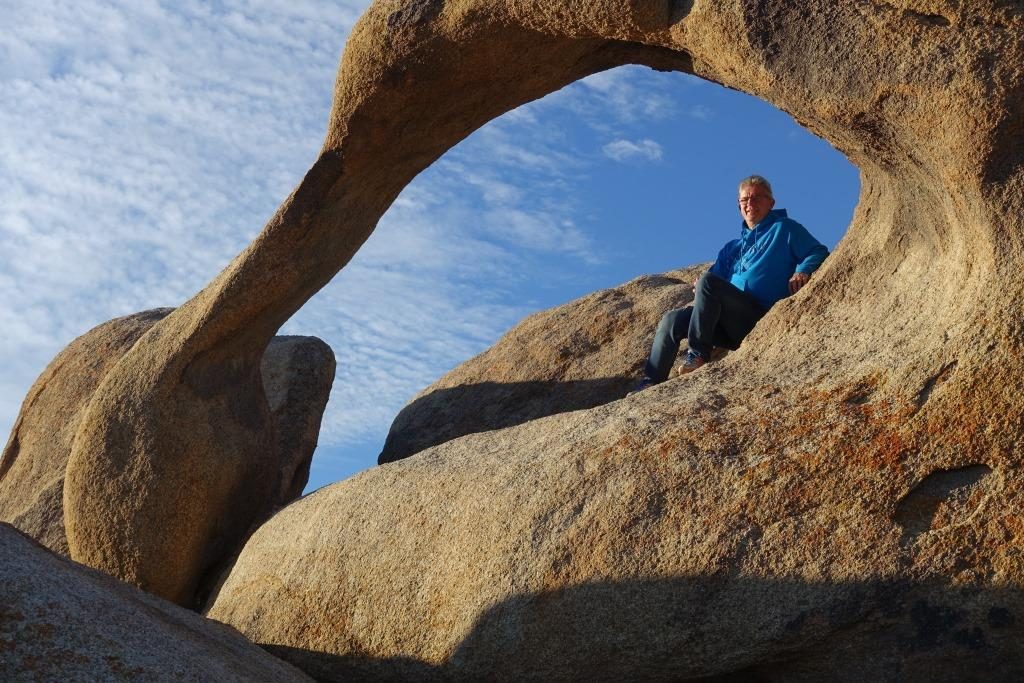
(537, 230)
(625, 94)
(144, 146)
(627, 150)
(700, 112)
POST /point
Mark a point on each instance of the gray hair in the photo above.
(757, 180)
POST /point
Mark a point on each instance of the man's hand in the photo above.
(797, 281)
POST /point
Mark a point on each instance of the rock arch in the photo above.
(922, 95)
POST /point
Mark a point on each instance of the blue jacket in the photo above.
(763, 259)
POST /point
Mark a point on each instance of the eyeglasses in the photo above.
(754, 198)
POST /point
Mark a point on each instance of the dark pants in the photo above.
(721, 315)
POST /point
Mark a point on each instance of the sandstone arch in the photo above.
(922, 95)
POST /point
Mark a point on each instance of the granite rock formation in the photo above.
(60, 621)
(841, 495)
(576, 356)
(36, 456)
(838, 499)
(297, 375)
(644, 540)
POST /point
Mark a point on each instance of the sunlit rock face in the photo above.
(297, 375)
(838, 499)
(60, 621)
(33, 463)
(576, 356)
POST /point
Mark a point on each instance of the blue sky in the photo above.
(143, 144)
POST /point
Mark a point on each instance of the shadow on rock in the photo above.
(722, 628)
(582, 354)
(446, 414)
(324, 666)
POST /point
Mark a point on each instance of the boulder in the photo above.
(297, 375)
(60, 621)
(36, 456)
(681, 533)
(837, 500)
(576, 356)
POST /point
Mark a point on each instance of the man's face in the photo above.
(755, 203)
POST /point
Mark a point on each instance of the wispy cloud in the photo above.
(626, 94)
(143, 146)
(626, 150)
(700, 112)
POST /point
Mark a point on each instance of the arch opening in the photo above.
(625, 173)
(909, 233)
(865, 138)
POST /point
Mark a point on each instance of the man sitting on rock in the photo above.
(773, 258)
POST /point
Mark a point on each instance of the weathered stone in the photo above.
(33, 463)
(297, 375)
(679, 533)
(60, 621)
(837, 500)
(576, 356)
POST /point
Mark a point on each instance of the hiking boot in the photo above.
(692, 361)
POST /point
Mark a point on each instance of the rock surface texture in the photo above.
(297, 375)
(36, 456)
(577, 356)
(60, 621)
(838, 500)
